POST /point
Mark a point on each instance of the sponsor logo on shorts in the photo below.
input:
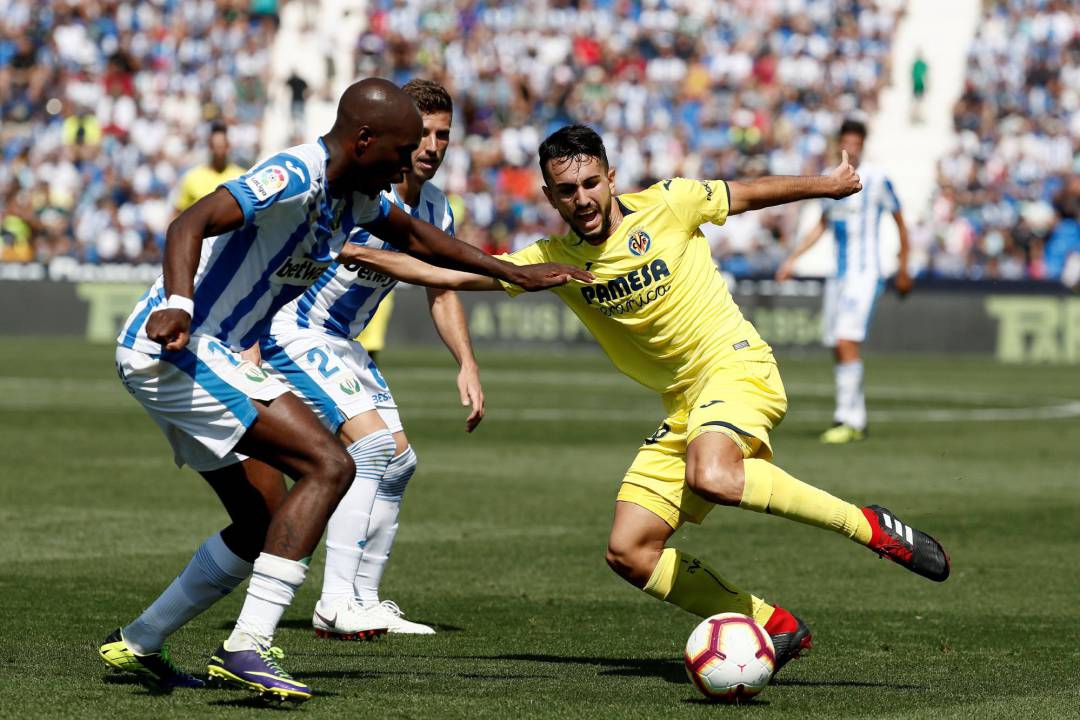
(710, 404)
(350, 386)
(267, 182)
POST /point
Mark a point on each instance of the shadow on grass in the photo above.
(750, 704)
(376, 674)
(299, 624)
(671, 671)
(847, 683)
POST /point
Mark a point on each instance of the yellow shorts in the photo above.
(744, 402)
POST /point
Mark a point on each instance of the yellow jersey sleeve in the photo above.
(694, 202)
(535, 253)
(187, 196)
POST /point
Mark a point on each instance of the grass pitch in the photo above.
(502, 539)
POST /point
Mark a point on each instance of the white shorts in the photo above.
(335, 377)
(849, 307)
(200, 397)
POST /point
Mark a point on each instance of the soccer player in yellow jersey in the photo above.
(202, 180)
(664, 316)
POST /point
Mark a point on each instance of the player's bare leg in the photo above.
(850, 414)
(289, 437)
(716, 470)
(338, 615)
(637, 552)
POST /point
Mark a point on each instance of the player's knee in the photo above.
(630, 562)
(336, 470)
(719, 481)
(398, 473)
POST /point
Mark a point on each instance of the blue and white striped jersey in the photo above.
(856, 223)
(344, 299)
(292, 230)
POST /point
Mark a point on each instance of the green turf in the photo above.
(502, 540)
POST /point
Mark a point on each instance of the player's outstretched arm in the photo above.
(429, 243)
(214, 214)
(777, 190)
(414, 271)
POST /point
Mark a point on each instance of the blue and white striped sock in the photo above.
(213, 572)
(348, 525)
(383, 527)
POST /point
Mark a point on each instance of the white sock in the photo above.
(383, 527)
(348, 525)
(274, 581)
(850, 401)
(211, 574)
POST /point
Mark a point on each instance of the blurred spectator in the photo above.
(919, 71)
(105, 103)
(202, 180)
(1006, 205)
(298, 94)
(676, 87)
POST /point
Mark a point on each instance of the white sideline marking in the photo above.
(106, 395)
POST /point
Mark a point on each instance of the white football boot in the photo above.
(389, 613)
(346, 619)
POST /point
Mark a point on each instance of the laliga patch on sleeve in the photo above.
(268, 181)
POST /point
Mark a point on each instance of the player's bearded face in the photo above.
(433, 142)
(581, 190)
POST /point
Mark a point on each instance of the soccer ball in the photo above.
(730, 657)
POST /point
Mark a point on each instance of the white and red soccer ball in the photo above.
(730, 657)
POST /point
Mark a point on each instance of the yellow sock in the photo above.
(683, 580)
(769, 489)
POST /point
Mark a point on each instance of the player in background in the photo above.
(662, 313)
(202, 180)
(310, 348)
(851, 295)
(231, 260)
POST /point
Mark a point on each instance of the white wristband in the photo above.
(179, 302)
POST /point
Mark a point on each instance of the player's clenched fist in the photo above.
(170, 327)
(548, 275)
(845, 180)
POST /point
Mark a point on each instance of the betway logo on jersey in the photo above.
(299, 271)
(631, 292)
(373, 277)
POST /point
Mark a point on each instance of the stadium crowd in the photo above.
(106, 103)
(1008, 201)
(677, 87)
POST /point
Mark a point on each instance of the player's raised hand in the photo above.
(472, 396)
(548, 275)
(845, 180)
(171, 328)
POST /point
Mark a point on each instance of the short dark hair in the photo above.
(217, 127)
(572, 142)
(856, 127)
(429, 96)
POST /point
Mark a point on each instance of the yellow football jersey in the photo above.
(659, 307)
(201, 181)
